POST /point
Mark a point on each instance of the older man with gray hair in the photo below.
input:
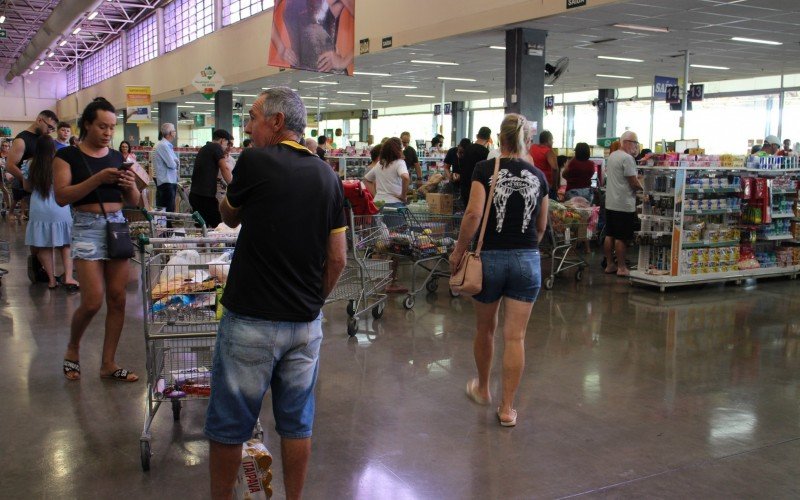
(166, 168)
(621, 187)
(289, 254)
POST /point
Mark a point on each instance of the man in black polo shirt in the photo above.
(410, 155)
(208, 165)
(475, 152)
(289, 255)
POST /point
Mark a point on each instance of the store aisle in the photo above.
(627, 392)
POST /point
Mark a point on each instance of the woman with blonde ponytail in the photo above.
(511, 265)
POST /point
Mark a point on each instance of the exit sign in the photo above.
(3, 33)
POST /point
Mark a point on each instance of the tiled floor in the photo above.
(627, 393)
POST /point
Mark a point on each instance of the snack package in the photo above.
(255, 475)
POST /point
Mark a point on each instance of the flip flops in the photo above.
(71, 367)
(507, 423)
(472, 393)
(121, 375)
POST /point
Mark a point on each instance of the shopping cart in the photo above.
(158, 224)
(181, 287)
(424, 238)
(5, 257)
(567, 228)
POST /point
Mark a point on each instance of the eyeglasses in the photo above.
(632, 142)
(50, 128)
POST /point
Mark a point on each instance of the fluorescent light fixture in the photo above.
(92, 15)
(626, 59)
(62, 43)
(374, 100)
(312, 97)
(245, 95)
(456, 79)
(440, 63)
(351, 92)
(398, 86)
(706, 66)
(200, 112)
(51, 54)
(639, 27)
(600, 75)
(340, 104)
(469, 91)
(2, 19)
(421, 96)
(211, 103)
(755, 40)
(548, 84)
(76, 30)
(30, 72)
(366, 73)
(318, 82)
(183, 106)
(497, 47)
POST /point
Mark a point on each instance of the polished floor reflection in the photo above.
(627, 393)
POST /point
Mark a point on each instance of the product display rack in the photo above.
(701, 220)
(355, 167)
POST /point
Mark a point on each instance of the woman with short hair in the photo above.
(579, 172)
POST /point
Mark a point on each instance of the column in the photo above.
(569, 112)
(167, 113)
(525, 60)
(223, 110)
(606, 113)
(459, 122)
(363, 125)
(130, 130)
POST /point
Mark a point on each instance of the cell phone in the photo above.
(126, 166)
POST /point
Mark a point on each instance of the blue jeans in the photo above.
(582, 192)
(516, 274)
(89, 234)
(253, 355)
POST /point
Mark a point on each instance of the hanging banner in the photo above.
(208, 82)
(313, 35)
(660, 85)
(138, 104)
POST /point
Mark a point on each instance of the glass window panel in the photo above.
(143, 42)
(72, 80)
(791, 124)
(236, 10)
(586, 123)
(103, 64)
(186, 21)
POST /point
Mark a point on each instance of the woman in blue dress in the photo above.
(49, 226)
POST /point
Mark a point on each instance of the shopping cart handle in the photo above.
(147, 214)
(198, 218)
(143, 240)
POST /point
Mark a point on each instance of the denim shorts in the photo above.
(516, 274)
(89, 234)
(253, 355)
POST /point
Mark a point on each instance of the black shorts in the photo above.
(19, 194)
(620, 225)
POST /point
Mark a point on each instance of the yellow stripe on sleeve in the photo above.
(339, 230)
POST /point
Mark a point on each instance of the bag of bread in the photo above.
(255, 476)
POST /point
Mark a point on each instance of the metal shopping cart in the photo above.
(424, 238)
(158, 224)
(566, 229)
(5, 257)
(365, 277)
(181, 286)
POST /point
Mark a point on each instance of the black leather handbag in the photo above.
(119, 244)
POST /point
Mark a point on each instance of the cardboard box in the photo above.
(439, 203)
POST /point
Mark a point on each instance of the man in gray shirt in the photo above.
(621, 187)
(166, 168)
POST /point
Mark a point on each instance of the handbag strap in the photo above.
(88, 169)
(486, 210)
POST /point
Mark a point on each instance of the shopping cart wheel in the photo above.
(432, 285)
(144, 448)
(408, 302)
(549, 282)
(579, 274)
(351, 308)
(352, 326)
(454, 293)
(176, 409)
(377, 311)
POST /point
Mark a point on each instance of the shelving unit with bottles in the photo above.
(706, 221)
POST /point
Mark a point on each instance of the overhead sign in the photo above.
(606, 142)
(437, 109)
(374, 114)
(3, 33)
(364, 114)
(208, 82)
(696, 92)
(673, 94)
(386, 42)
(448, 107)
(660, 85)
(549, 103)
(571, 4)
(535, 49)
(363, 46)
(138, 104)
(199, 120)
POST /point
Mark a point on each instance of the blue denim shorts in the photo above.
(253, 355)
(516, 274)
(89, 234)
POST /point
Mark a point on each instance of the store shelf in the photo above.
(664, 282)
(662, 194)
(785, 215)
(721, 211)
(776, 237)
(775, 171)
(775, 191)
(712, 190)
(656, 217)
(655, 233)
(703, 244)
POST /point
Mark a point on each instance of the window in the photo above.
(143, 42)
(103, 64)
(72, 80)
(186, 21)
(236, 10)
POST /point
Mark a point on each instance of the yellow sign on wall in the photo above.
(138, 104)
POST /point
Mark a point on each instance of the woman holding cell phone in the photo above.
(96, 181)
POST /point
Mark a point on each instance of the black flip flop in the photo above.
(72, 367)
(72, 288)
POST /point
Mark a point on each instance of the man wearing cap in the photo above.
(208, 165)
(771, 146)
(787, 148)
